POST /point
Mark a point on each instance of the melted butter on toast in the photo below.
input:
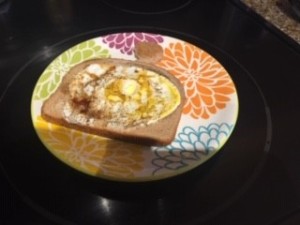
(121, 95)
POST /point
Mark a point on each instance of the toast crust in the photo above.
(161, 132)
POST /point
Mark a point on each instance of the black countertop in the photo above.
(255, 179)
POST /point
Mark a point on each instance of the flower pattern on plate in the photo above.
(125, 42)
(51, 77)
(207, 84)
(191, 145)
(89, 153)
(209, 90)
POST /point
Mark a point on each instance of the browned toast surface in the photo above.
(56, 108)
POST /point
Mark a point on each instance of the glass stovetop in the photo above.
(254, 180)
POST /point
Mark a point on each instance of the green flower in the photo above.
(53, 74)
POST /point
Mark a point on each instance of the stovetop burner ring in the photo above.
(148, 7)
(254, 148)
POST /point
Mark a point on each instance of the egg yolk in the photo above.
(128, 95)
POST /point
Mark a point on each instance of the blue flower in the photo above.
(191, 145)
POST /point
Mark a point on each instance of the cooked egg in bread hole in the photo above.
(122, 95)
(133, 101)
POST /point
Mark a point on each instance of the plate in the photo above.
(208, 117)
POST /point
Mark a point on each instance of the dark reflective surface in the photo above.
(148, 7)
(201, 185)
(295, 4)
(255, 178)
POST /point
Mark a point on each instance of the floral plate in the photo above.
(208, 117)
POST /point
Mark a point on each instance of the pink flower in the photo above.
(125, 42)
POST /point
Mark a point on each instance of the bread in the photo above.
(106, 97)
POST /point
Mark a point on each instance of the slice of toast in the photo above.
(66, 107)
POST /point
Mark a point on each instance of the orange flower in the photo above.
(207, 84)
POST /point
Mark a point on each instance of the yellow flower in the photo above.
(91, 154)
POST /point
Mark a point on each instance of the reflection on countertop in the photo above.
(279, 13)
